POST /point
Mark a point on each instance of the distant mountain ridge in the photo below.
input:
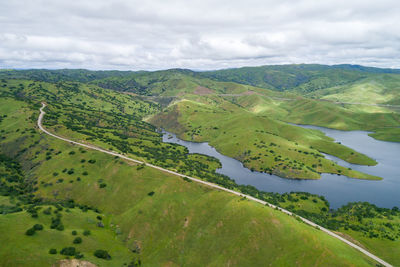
(303, 79)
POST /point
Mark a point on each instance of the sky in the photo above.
(199, 35)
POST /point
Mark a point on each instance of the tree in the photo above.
(30, 231)
(68, 251)
(77, 240)
(38, 227)
(102, 254)
(86, 232)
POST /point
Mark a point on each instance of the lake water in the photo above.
(338, 190)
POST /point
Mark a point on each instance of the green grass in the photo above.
(205, 226)
(384, 227)
(260, 142)
(387, 134)
(378, 89)
(19, 249)
(183, 223)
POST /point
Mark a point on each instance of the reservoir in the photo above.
(338, 190)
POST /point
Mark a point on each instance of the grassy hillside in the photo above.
(137, 204)
(303, 78)
(306, 78)
(260, 142)
(326, 114)
(378, 89)
(362, 86)
(17, 245)
(161, 219)
(348, 97)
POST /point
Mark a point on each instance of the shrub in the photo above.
(71, 152)
(78, 255)
(30, 231)
(68, 251)
(86, 232)
(99, 217)
(151, 193)
(102, 254)
(47, 211)
(92, 161)
(102, 185)
(38, 227)
(77, 240)
(74, 232)
(85, 173)
(53, 251)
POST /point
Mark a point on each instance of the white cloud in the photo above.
(204, 34)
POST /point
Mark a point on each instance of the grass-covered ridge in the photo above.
(137, 205)
(261, 143)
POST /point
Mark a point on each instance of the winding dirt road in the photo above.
(39, 123)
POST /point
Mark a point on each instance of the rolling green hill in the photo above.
(160, 219)
(147, 215)
(303, 78)
(261, 143)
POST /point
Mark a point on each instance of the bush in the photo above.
(85, 173)
(71, 152)
(102, 185)
(38, 227)
(53, 251)
(151, 193)
(77, 240)
(68, 251)
(74, 232)
(102, 254)
(47, 211)
(78, 255)
(86, 232)
(30, 231)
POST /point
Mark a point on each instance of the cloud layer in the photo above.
(130, 34)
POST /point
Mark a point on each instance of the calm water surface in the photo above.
(338, 190)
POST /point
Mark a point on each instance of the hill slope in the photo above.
(205, 226)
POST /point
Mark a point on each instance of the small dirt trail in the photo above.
(39, 123)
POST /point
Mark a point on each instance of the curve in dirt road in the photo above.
(372, 256)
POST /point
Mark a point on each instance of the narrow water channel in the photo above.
(338, 190)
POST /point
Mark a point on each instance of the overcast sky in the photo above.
(200, 35)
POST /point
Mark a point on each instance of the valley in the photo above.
(127, 204)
